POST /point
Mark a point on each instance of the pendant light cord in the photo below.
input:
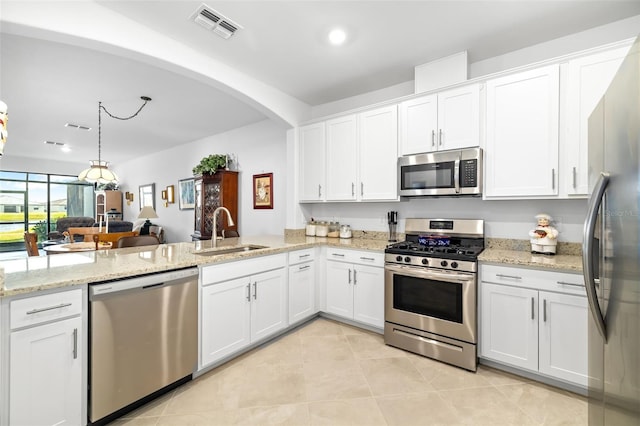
(146, 99)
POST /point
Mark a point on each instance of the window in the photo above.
(35, 201)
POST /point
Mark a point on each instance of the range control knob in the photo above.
(425, 262)
(454, 264)
(398, 258)
(407, 259)
(443, 263)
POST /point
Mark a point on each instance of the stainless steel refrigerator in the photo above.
(611, 250)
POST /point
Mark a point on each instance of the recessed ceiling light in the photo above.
(77, 126)
(63, 146)
(337, 36)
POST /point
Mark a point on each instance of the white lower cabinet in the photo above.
(563, 337)
(46, 360)
(302, 285)
(355, 290)
(238, 311)
(509, 325)
(535, 320)
(46, 376)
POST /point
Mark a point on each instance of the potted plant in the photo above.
(111, 186)
(212, 163)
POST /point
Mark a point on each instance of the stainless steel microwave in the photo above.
(442, 173)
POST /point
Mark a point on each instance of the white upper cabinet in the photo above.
(522, 134)
(418, 124)
(378, 154)
(442, 121)
(342, 151)
(350, 158)
(587, 79)
(312, 162)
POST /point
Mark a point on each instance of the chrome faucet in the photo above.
(214, 237)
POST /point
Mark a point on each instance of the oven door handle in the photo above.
(426, 273)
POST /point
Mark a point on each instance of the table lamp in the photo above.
(147, 212)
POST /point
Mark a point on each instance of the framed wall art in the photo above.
(186, 194)
(263, 191)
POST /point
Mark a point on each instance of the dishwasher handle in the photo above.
(148, 281)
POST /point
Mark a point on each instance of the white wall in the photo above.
(503, 219)
(259, 148)
(33, 165)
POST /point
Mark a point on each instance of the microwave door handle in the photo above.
(456, 175)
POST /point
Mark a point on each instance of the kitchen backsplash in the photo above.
(490, 243)
(525, 245)
(369, 235)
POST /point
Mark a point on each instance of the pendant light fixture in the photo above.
(99, 171)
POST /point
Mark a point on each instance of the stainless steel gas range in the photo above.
(431, 290)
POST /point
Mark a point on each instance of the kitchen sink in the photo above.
(237, 249)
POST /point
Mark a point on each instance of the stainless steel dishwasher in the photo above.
(143, 340)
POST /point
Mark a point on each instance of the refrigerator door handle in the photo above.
(587, 246)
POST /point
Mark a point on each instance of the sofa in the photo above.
(65, 223)
(117, 226)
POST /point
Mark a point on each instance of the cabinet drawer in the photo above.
(562, 282)
(300, 256)
(241, 268)
(356, 256)
(48, 307)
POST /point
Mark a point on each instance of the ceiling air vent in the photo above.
(214, 21)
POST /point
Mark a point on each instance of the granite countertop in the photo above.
(558, 262)
(54, 271)
(33, 274)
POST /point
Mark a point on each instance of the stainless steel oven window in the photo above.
(428, 297)
(465, 330)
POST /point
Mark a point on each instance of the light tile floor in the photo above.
(327, 373)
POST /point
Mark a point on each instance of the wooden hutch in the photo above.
(213, 191)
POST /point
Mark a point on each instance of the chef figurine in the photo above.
(3, 126)
(544, 237)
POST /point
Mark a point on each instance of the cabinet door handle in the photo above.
(574, 178)
(440, 137)
(571, 284)
(433, 138)
(355, 279)
(353, 189)
(544, 310)
(508, 276)
(255, 290)
(302, 268)
(249, 292)
(532, 306)
(50, 308)
(349, 276)
(362, 189)
(553, 179)
(319, 191)
(75, 343)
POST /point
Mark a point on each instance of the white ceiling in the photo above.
(283, 44)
